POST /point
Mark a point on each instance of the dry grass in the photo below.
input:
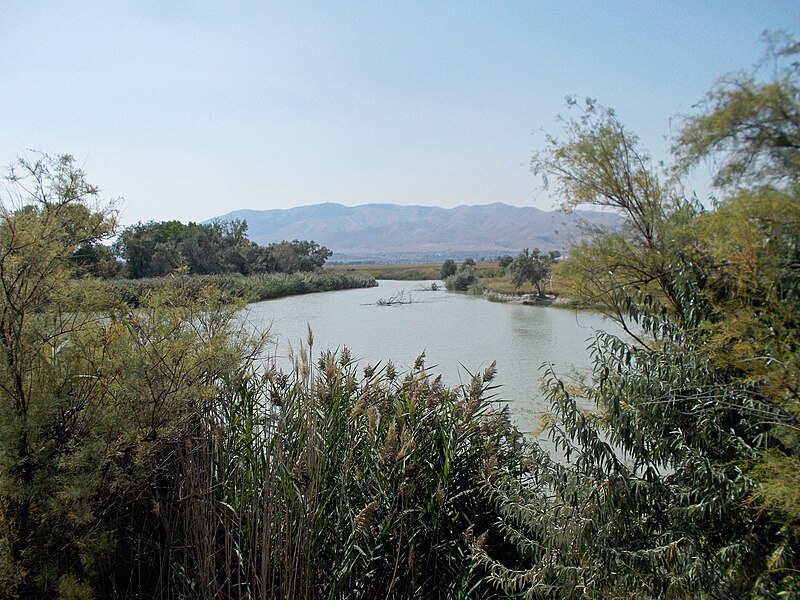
(503, 285)
(410, 271)
(400, 272)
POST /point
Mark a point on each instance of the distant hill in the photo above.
(391, 232)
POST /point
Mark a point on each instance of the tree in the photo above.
(45, 217)
(752, 126)
(157, 249)
(151, 249)
(94, 396)
(95, 260)
(682, 481)
(468, 263)
(531, 266)
(448, 268)
(290, 257)
(505, 260)
(601, 163)
(462, 281)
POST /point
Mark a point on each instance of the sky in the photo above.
(188, 109)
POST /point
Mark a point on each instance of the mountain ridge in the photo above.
(385, 232)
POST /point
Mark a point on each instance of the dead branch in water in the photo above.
(395, 299)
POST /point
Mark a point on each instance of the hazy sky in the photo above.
(190, 109)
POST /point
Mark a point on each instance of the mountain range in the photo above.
(398, 233)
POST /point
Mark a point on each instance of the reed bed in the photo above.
(327, 482)
(251, 288)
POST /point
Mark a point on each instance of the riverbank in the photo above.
(526, 299)
(409, 271)
(252, 288)
(493, 283)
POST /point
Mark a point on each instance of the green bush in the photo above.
(448, 269)
(461, 281)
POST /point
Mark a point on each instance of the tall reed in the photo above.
(251, 288)
(323, 483)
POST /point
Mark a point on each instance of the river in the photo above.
(459, 333)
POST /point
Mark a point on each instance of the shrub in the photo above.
(448, 268)
(461, 281)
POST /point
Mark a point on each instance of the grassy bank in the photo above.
(491, 277)
(253, 288)
(409, 272)
(399, 272)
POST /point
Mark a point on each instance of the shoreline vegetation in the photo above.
(395, 272)
(242, 288)
(149, 452)
(490, 282)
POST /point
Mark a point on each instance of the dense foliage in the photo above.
(463, 280)
(676, 471)
(90, 401)
(160, 248)
(448, 269)
(532, 266)
(327, 484)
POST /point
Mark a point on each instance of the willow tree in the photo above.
(678, 459)
(531, 266)
(750, 123)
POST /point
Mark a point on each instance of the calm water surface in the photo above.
(459, 334)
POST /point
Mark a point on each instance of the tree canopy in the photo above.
(448, 268)
(532, 266)
(682, 479)
(159, 248)
(750, 123)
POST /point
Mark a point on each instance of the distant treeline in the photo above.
(155, 249)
